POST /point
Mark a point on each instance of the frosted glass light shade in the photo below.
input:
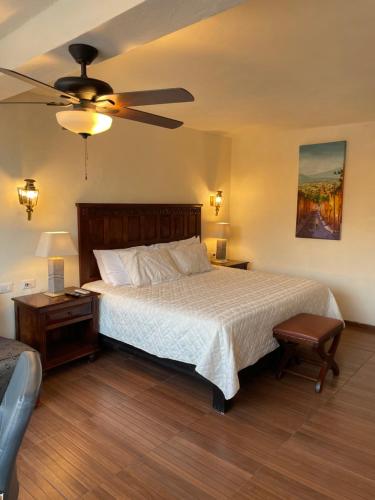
(55, 244)
(84, 122)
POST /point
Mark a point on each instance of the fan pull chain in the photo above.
(86, 158)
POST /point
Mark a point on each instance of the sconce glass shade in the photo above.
(28, 196)
(84, 122)
(216, 201)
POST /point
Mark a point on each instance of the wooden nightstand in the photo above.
(238, 264)
(61, 328)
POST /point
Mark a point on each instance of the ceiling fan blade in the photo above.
(47, 89)
(64, 104)
(141, 116)
(146, 97)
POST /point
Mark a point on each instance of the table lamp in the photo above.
(221, 232)
(55, 245)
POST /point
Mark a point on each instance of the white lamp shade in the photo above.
(55, 244)
(222, 230)
(84, 122)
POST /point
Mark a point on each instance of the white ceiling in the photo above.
(14, 13)
(277, 62)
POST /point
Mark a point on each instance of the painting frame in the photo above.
(320, 195)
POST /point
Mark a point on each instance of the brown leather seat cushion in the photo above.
(308, 328)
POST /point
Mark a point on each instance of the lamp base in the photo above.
(55, 277)
(221, 250)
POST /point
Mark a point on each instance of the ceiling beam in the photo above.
(39, 47)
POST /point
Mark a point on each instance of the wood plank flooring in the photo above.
(125, 428)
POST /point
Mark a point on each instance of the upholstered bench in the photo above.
(10, 350)
(314, 331)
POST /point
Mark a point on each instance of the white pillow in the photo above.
(103, 274)
(172, 244)
(191, 259)
(188, 241)
(149, 267)
(111, 267)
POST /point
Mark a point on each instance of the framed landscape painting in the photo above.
(320, 190)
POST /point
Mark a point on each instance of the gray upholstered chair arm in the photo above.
(15, 412)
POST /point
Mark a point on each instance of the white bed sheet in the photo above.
(220, 321)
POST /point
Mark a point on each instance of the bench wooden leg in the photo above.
(329, 362)
(288, 353)
(332, 352)
(335, 368)
(321, 377)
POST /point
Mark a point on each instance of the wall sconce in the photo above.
(28, 196)
(216, 201)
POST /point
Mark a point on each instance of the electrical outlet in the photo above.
(6, 287)
(27, 284)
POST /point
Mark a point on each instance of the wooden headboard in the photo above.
(105, 226)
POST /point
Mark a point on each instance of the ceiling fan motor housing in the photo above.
(83, 87)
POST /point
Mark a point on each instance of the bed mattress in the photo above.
(220, 321)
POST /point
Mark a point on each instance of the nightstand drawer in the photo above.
(65, 314)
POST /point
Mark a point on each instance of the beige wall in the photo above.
(263, 211)
(135, 163)
(130, 163)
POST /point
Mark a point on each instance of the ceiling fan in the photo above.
(92, 103)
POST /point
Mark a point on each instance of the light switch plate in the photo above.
(6, 287)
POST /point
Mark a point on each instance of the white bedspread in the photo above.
(221, 321)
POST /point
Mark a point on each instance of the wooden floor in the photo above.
(125, 428)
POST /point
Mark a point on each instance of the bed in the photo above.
(215, 323)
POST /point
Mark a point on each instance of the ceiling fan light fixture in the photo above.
(93, 101)
(84, 122)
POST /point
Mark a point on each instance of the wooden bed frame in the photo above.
(106, 226)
